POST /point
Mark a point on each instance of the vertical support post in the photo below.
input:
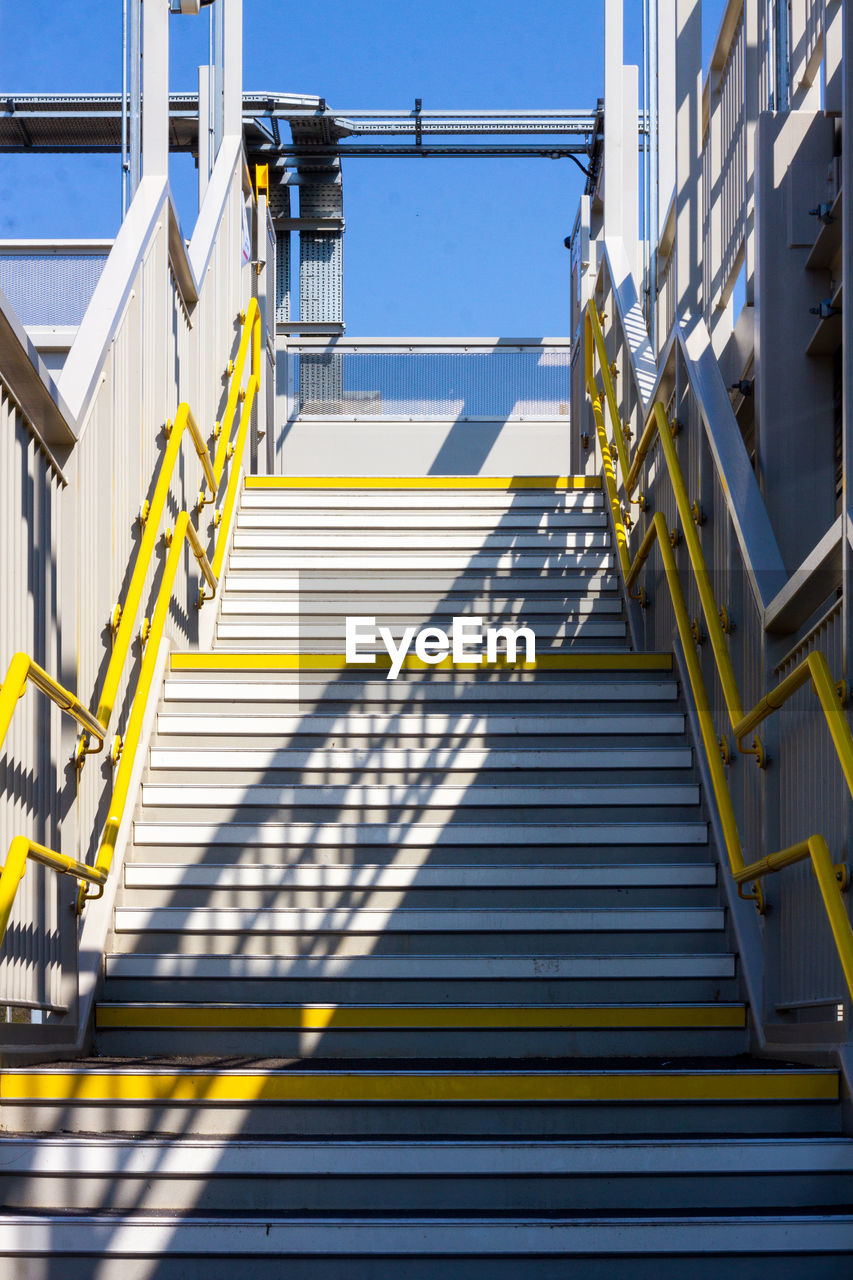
(752, 106)
(614, 141)
(155, 88)
(205, 139)
(653, 143)
(666, 110)
(218, 75)
(233, 67)
(631, 168)
(123, 108)
(846, 73)
(688, 156)
(135, 104)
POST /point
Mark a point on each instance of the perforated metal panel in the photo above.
(282, 276)
(50, 288)
(321, 284)
(502, 385)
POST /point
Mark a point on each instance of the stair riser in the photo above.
(414, 777)
(413, 899)
(426, 944)
(164, 1267)
(373, 1195)
(535, 994)
(425, 500)
(479, 843)
(433, 1044)
(438, 1120)
(311, 606)
(427, 521)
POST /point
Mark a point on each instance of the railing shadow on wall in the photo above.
(724, 576)
(117, 381)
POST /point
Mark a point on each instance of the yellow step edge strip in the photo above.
(423, 482)
(336, 1018)
(338, 662)
(212, 1087)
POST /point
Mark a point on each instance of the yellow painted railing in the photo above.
(813, 669)
(23, 670)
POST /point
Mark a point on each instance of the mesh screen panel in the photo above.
(50, 288)
(490, 384)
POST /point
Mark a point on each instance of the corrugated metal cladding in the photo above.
(814, 798)
(30, 775)
(157, 358)
(50, 288)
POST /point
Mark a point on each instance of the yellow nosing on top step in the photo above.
(93, 1084)
(413, 1017)
(423, 482)
(338, 662)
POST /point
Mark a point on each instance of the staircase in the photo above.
(424, 975)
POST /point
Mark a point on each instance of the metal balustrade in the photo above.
(509, 381)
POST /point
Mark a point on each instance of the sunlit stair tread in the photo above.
(457, 519)
(401, 559)
(502, 605)
(367, 920)
(226, 875)
(460, 967)
(230, 690)
(401, 835)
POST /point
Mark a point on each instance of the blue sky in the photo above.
(432, 246)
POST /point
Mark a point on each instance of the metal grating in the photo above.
(50, 287)
(494, 384)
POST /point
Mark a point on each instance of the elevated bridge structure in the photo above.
(426, 762)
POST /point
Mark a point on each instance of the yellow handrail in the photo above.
(814, 667)
(20, 851)
(184, 531)
(127, 612)
(22, 668)
(23, 671)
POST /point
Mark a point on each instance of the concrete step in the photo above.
(241, 1176)
(423, 795)
(435, 968)
(318, 636)
(140, 1247)
(553, 561)
(398, 1030)
(239, 758)
(410, 920)
(504, 607)
(460, 587)
(467, 1100)
(363, 540)
(486, 699)
(383, 835)
(141, 875)
(452, 518)
(381, 733)
(423, 499)
(449, 979)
